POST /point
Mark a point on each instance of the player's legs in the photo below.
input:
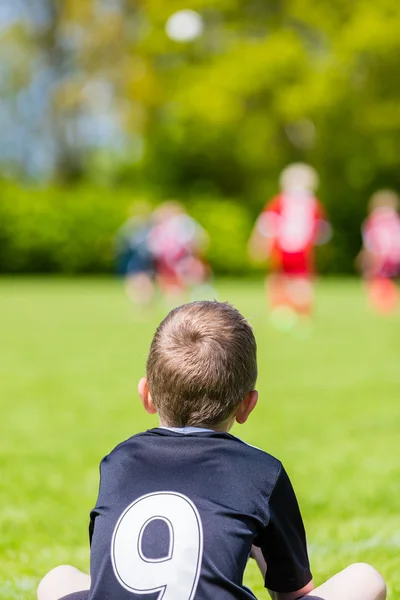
(276, 290)
(197, 275)
(282, 315)
(171, 284)
(291, 299)
(62, 581)
(382, 295)
(300, 294)
(139, 288)
(298, 269)
(358, 582)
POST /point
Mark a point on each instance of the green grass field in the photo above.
(71, 354)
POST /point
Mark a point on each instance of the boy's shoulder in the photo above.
(159, 444)
(209, 465)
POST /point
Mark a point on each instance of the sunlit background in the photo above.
(207, 102)
(107, 105)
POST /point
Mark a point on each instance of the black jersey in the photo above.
(177, 515)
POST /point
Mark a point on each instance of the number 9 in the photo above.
(174, 576)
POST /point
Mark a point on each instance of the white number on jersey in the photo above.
(175, 576)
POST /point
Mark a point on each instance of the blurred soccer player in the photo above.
(379, 258)
(286, 232)
(177, 243)
(134, 259)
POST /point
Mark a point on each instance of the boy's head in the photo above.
(202, 366)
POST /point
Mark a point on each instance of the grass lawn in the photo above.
(71, 354)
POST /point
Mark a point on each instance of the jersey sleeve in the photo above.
(283, 542)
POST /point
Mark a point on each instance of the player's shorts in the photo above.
(77, 596)
(140, 263)
(169, 276)
(387, 269)
(296, 263)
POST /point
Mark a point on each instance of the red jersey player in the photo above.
(380, 257)
(286, 232)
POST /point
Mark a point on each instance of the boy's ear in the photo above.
(246, 407)
(145, 395)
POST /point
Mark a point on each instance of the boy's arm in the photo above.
(283, 545)
(262, 565)
(293, 595)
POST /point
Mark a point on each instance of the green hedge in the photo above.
(73, 230)
(228, 225)
(57, 231)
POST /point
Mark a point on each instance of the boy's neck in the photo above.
(223, 427)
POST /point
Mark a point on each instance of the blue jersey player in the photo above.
(182, 507)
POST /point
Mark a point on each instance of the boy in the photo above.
(182, 506)
(287, 230)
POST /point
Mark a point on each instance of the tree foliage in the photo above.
(97, 90)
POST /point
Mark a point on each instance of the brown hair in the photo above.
(202, 362)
